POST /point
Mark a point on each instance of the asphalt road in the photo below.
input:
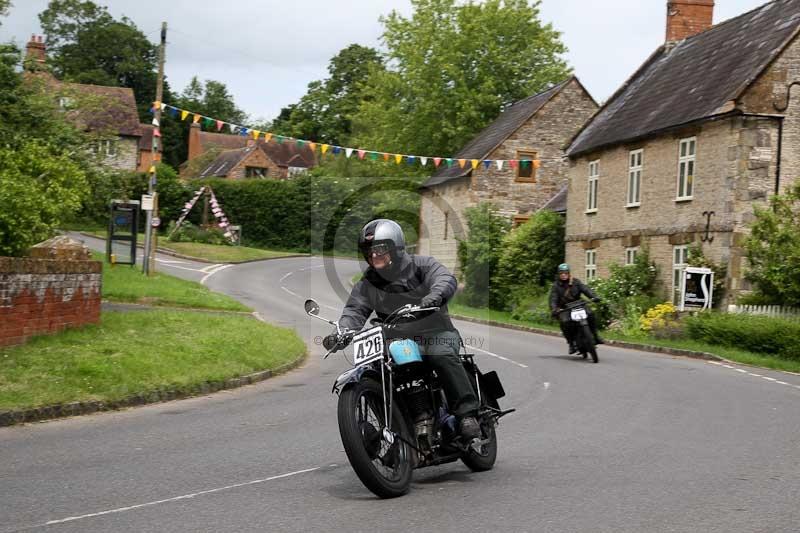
(639, 442)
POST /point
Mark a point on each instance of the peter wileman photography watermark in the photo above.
(468, 342)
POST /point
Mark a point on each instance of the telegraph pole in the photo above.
(151, 236)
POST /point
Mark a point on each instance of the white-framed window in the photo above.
(105, 148)
(630, 255)
(680, 256)
(635, 165)
(687, 156)
(591, 264)
(594, 178)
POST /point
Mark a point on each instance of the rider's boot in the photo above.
(469, 427)
(572, 347)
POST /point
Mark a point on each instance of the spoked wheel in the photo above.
(481, 457)
(384, 467)
(588, 344)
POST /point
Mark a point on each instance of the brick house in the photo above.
(240, 156)
(536, 128)
(681, 153)
(108, 113)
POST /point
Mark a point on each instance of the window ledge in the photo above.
(684, 199)
(629, 206)
(590, 211)
(525, 180)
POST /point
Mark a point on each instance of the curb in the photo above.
(171, 253)
(49, 412)
(619, 344)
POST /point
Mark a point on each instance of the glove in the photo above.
(431, 300)
(331, 341)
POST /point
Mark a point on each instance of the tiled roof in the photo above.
(222, 140)
(286, 154)
(495, 133)
(695, 79)
(225, 162)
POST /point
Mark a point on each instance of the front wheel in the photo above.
(588, 345)
(383, 467)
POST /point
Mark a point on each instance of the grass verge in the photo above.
(128, 284)
(138, 352)
(732, 354)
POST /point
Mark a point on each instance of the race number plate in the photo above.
(579, 314)
(368, 346)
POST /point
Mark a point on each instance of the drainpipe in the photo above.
(780, 151)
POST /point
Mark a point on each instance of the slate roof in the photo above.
(694, 79)
(222, 140)
(495, 133)
(109, 109)
(225, 162)
(558, 203)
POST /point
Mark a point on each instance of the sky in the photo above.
(267, 51)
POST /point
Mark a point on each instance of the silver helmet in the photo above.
(385, 232)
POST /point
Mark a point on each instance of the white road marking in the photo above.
(170, 261)
(290, 292)
(209, 268)
(742, 371)
(506, 359)
(215, 271)
(177, 498)
(546, 385)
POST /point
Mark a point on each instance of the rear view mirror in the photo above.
(312, 307)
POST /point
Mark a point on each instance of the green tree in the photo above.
(480, 252)
(4, 5)
(453, 67)
(773, 249)
(326, 111)
(531, 253)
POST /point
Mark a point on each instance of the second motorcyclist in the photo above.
(567, 289)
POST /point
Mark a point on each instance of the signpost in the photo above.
(697, 288)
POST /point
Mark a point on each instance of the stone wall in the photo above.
(40, 296)
(257, 158)
(126, 156)
(734, 170)
(443, 207)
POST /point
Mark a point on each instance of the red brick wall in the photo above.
(40, 296)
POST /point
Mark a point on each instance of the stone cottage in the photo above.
(537, 129)
(240, 156)
(706, 129)
(108, 113)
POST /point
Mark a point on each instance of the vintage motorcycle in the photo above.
(582, 333)
(392, 411)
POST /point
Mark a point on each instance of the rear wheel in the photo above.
(383, 467)
(480, 458)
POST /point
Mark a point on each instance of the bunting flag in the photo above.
(374, 155)
(155, 122)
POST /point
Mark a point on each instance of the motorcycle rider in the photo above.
(395, 278)
(567, 289)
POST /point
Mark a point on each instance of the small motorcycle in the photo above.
(582, 333)
(392, 411)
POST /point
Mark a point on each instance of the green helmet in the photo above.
(563, 267)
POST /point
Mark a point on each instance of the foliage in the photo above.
(531, 253)
(532, 304)
(658, 317)
(315, 213)
(43, 162)
(759, 334)
(37, 189)
(773, 249)
(4, 5)
(348, 167)
(188, 232)
(453, 66)
(630, 282)
(325, 112)
(696, 258)
(480, 253)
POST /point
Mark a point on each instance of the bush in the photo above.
(480, 252)
(532, 305)
(757, 334)
(773, 249)
(630, 284)
(661, 321)
(531, 253)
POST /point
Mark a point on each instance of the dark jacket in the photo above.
(564, 292)
(412, 278)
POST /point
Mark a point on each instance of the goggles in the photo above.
(378, 249)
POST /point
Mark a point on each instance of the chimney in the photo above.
(688, 17)
(195, 148)
(35, 52)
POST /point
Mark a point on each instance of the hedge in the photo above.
(759, 334)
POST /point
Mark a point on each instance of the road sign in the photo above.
(155, 222)
(697, 288)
